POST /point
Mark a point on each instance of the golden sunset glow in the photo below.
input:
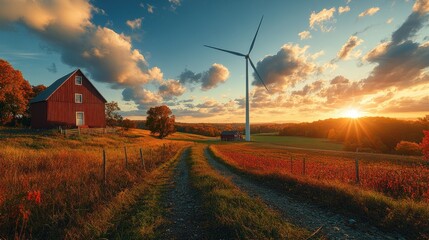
(352, 113)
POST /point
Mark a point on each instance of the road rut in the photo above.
(184, 214)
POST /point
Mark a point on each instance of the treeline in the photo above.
(207, 129)
(373, 134)
(215, 129)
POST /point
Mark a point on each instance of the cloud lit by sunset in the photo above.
(317, 59)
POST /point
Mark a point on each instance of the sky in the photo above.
(318, 59)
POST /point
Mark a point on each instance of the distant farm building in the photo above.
(231, 136)
(71, 101)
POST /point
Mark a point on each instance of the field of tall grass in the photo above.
(393, 191)
(49, 183)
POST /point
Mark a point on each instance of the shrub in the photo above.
(425, 145)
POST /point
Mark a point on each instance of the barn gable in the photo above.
(48, 92)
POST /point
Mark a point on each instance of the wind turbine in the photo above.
(248, 59)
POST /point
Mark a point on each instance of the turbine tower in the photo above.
(248, 59)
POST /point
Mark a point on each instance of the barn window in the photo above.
(78, 80)
(78, 98)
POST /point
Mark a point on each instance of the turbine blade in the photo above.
(256, 34)
(259, 76)
(223, 50)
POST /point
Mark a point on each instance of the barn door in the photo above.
(80, 119)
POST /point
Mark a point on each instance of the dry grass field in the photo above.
(55, 187)
(49, 183)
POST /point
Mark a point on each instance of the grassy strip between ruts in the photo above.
(134, 213)
(234, 214)
(404, 216)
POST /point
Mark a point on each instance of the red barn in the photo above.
(231, 136)
(70, 101)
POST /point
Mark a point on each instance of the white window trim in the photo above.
(83, 118)
(81, 97)
(76, 78)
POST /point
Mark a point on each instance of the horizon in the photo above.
(297, 122)
(338, 59)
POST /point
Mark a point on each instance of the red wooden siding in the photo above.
(60, 108)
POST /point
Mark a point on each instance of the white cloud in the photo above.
(342, 10)
(142, 97)
(135, 24)
(174, 4)
(304, 35)
(421, 6)
(369, 12)
(389, 21)
(320, 18)
(347, 48)
(65, 16)
(150, 8)
(171, 88)
(216, 75)
(290, 65)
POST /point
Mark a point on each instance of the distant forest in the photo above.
(369, 134)
(376, 134)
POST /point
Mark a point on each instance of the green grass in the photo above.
(299, 142)
(232, 213)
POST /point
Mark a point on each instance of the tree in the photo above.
(332, 134)
(160, 120)
(424, 145)
(408, 148)
(15, 92)
(127, 124)
(37, 89)
(113, 118)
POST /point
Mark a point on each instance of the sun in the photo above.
(353, 113)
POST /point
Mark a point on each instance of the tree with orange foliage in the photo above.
(160, 120)
(14, 93)
(37, 89)
(425, 145)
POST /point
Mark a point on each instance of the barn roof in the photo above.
(43, 96)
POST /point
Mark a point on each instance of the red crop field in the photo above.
(393, 176)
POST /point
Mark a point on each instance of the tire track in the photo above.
(184, 211)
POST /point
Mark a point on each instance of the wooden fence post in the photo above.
(291, 165)
(357, 168)
(104, 166)
(303, 166)
(126, 157)
(141, 158)
(78, 131)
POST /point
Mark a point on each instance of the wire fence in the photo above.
(134, 158)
